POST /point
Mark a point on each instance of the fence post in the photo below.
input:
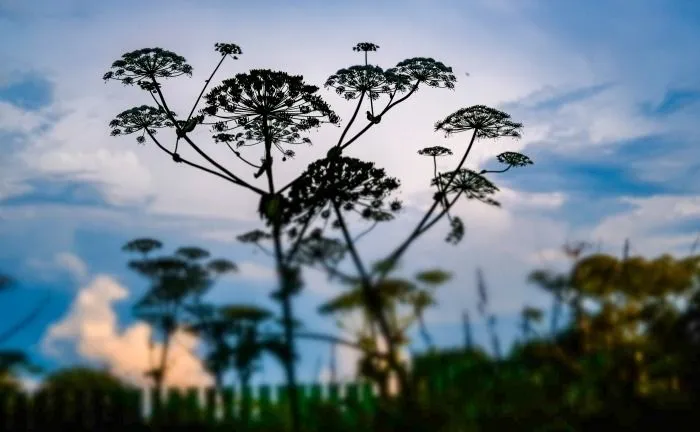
(5, 399)
(194, 412)
(305, 400)
(156, 405)
(174, 406)
(334, 394)
(41, 412)
(264, 400)
(228, 396)
(246, 405)
(315, 394)
(369, 399)
(21, 413)
(210, 403)
(81, 412)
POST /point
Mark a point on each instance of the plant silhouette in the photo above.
(177, 284)
(265, 113)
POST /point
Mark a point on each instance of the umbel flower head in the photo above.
(316, 248)
(484, 121)
(471, 184)
(144, 118)
(372, 80)
(143, 66)
(513, 159)
(435, 151)
(425, 70)
(229, 49)
(354, 185)
(266, 105)
(365, 47)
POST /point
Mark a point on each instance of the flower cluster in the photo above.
(371, 80)
(468, 182)
(351, 184)
(435, 151)
(486, 122)
(229, 49)
(425, 70)
(365, 47)
(143, 66)
(316, 248)
(266, 106)
(144, 118)
(513, 159)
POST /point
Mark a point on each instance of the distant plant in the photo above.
(231, 331)
(178, 283)
(404, 301)
(270, 112)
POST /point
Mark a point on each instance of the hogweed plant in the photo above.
(177, 284)
(262, 114)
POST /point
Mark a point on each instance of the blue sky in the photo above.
(610, 121)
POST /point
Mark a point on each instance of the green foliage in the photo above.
(434, 277)
(81, 378)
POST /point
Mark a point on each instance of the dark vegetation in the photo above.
(625, 360)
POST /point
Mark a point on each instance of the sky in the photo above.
(608, 91)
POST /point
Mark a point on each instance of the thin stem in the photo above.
(372, 300)
(267, 251)
(388, 107)
(351, 247)
(352, 119)
(365, 232)
(292, 252)
(192, 164)
(197, 149)
(365, 129)
(495, 171)
(206, 83)
(238, 154)
(435, 176)
(424, 331)
(337, 273)
(442, 213)
(418, 229)
(285, 295)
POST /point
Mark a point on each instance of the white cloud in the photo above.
(79, 142)
(90, 327)
(16, 120)
(646, 224)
